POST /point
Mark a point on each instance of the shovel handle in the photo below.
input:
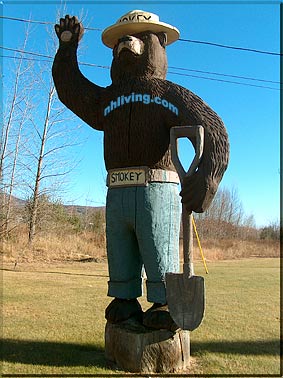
(188, 266)
(188, 132)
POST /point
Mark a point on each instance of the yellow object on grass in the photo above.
(201, 252)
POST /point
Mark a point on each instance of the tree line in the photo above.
(224, 220)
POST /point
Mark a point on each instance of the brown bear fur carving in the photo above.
(136, 134)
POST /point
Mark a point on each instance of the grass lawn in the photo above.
(54, 319)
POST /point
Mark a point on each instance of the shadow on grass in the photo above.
(52, 353)
(256, 348)
(67, 354)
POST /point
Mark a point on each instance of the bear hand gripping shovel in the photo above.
(184, 291)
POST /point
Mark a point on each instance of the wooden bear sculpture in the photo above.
(135, 114)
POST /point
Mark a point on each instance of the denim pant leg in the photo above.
(157, 229)
(124, 260)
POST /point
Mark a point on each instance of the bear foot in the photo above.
(158, 317)
(120, 310)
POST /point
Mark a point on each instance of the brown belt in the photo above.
(139, 176)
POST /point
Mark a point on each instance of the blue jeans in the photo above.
(142, 228)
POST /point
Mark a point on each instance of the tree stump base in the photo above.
(132, 347)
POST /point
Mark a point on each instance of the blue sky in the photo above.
(251, 113)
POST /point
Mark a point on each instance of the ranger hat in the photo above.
(135, 22)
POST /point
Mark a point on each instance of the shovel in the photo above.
(184, 291)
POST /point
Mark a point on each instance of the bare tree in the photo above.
(15, 115)
(37, 138)
(38, 176)
(225, 217)
(52, 136)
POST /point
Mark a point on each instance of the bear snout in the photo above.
(133, 44)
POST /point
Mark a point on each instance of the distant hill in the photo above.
(77, 209)
(16, 202)
(83, 209)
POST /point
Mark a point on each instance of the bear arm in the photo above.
(199, 190)
(74, 90)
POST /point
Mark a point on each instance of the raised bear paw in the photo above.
(70, 30)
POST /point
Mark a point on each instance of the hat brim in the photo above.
(111, 34)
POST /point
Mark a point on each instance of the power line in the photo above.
(180, 39)
(231, 47)
(25, 52)
(227, 75)
(24, 58)
(40, 22)
(224, 81)
(170, 67)
(42, 56)
(24, 20)
(170, 72)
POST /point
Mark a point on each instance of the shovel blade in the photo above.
(186, 299)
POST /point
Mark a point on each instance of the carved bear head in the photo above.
(141, 55)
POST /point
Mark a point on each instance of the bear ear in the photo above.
(162, 36)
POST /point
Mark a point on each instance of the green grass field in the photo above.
(54, 319)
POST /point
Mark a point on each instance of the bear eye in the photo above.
(162, 38)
